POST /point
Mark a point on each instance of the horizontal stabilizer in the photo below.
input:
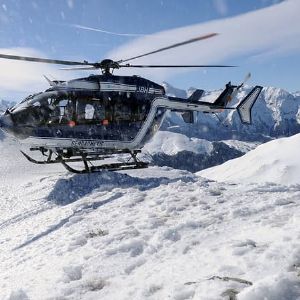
(245, 106)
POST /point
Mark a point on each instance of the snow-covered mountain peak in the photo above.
(274, 92)
(276, 97)
(173, 91)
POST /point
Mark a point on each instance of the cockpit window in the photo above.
(41, 99)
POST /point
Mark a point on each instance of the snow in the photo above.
(156, 233)
(276, 161)
(275, 287)
(160, 233)
(240, 145)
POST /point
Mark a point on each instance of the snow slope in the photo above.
(276, 161)
(156, 233)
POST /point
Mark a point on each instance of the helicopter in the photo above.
(90, 119)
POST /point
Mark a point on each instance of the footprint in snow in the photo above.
(136, 264)
(171, 234)
(78, 241)
(72, 273)
(215, 191)
(242, 247)
(152, 289)
(135, 247)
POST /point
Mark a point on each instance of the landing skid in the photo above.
(66, 159)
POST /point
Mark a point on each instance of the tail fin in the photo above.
(230, 92)
(225, 96)
(245, 106)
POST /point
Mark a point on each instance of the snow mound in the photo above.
(276, 161)
(171, 143)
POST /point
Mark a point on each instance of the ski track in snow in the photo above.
(157, 233)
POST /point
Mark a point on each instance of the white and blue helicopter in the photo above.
(92, 118)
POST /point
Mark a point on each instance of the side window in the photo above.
(89, 112)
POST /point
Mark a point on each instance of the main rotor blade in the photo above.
(175, 66)
(203, 37)
(79, 68)
(45, 60)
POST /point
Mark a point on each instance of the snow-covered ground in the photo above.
(156, 233)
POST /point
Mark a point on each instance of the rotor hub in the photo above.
(107, 65)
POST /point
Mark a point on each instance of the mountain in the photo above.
(173, 91)
(5, 105)
(276, 161)
(181, 152)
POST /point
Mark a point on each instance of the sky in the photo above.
(251, 36)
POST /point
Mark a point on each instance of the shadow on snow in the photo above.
(69, 190)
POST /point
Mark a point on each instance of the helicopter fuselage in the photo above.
(99, 111)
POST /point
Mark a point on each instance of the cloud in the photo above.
(243, 36)
(18, 78)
